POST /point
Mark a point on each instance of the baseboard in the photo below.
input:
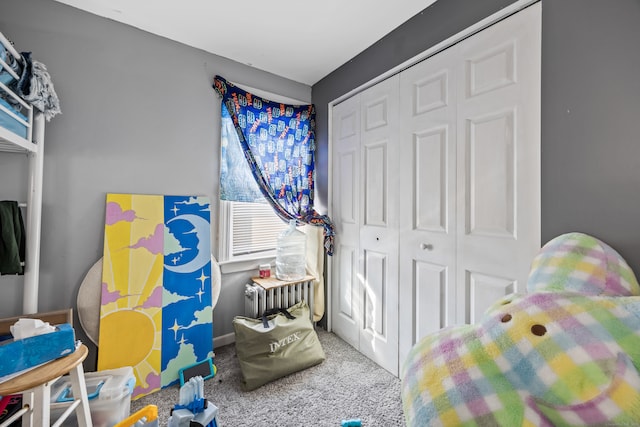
(222, 340)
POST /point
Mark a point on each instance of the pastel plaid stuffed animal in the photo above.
(567, 353)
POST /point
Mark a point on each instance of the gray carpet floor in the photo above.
(347, 385)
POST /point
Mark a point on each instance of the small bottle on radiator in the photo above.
(265, 270)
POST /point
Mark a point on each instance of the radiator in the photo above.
(258, 299)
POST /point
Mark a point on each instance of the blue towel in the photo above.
(10, 123)
(13, 63)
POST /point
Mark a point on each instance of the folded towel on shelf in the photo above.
(35, 86)
(12, 238)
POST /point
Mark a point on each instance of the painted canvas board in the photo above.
(156, 303)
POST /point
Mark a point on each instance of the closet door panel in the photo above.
(375, 314)
(490, 174)
(499, 159)
(347, 286)
(376, 192)
(430, 301)
(345, 158)
(427, 204)
(491, 69)
(379, 218)
(430, 166)
(348, 205)
(430, 90)
(483, 291)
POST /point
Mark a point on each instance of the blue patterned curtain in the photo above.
(278, 142)
(236, 179)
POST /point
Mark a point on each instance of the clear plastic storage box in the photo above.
(109, 394)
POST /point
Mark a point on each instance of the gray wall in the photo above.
(139, 116)
(590, 107)
(591, 121)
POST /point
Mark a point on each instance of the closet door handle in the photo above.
(426, 246)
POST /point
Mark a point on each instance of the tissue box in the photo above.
(18, 355)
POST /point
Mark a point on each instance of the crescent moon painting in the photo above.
(156, 307)
(202, 253)
(187, 313)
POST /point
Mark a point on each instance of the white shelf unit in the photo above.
(33, 148)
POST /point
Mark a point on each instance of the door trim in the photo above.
(469, 31)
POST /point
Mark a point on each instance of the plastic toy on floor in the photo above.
(145, 417)
(351, 423)
(205, 369)
(193, 409)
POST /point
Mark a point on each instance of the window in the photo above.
(251, 230)
(249, 227)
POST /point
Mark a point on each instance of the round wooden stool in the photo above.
(35, 386)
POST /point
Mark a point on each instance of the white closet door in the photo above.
(345, 282)
(365, 208)
(498, 161)
(436, 190)
(428, 204)
(379, 217)
(470, 168)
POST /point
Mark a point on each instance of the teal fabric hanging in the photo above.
(278, 143)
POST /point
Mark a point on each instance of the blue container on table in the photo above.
(18, 355)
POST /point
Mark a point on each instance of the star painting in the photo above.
(156, 313)
(187, 330)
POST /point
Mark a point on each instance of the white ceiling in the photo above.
(297, 39)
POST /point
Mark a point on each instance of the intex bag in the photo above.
(276, 345)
